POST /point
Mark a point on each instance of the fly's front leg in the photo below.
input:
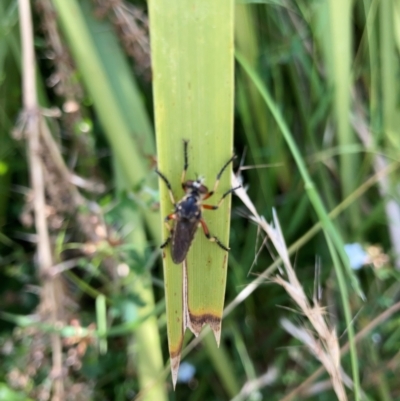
(211, 193)
(186, 162)
(168, 184)
(210, 237)
(215, 207)
(169, 228)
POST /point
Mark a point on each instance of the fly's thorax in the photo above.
(189, 207)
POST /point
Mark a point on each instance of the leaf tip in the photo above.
(175, 361)
(217, 333)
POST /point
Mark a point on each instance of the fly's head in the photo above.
(195, 188)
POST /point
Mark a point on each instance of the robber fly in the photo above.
(188, 211)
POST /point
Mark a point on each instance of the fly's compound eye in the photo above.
(188, 186)
(203, 189)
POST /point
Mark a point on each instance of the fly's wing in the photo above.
(182, 237)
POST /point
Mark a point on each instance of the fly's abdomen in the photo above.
(182, 238)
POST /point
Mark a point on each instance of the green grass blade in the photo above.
(144, 351)
(389, 73)
(339, 70)
(223, 365)
(101, 314)
(192, 53)
(332, 26)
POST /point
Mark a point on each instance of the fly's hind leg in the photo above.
(210, 237)
(169, 228)
(166, 242)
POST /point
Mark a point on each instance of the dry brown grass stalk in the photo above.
(53, 197)
(49, 299)
(322, 340)
(132, 27)
(302, 388)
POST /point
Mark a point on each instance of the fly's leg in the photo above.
(170, 216)
(166, 242)
(210, 237)
(215, 207)
(169, 228)
(168, 184)
(186, 162)
(211, 193)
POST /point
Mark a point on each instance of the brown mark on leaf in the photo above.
(198, 321)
